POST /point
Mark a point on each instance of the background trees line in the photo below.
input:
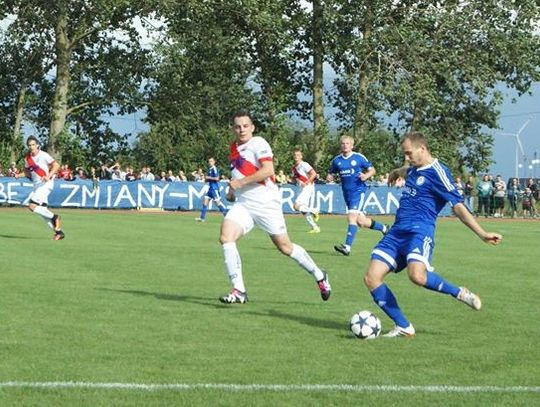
(402, 65)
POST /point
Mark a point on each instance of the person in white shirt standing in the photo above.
(305, 176)
(257, 201)
(41, 168)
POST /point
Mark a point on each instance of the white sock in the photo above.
(302, 258)
(233, 265)
(46, 214)
(310, 220)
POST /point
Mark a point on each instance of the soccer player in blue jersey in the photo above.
(212, 193)
(354, 169)
(409, 243)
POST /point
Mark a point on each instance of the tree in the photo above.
(433, 67)
(95, 57)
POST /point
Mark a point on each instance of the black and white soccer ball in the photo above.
(365, 325)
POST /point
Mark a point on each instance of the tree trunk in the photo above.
(19, 112)
(319, 130)
(63, 77)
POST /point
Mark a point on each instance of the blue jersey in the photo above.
(214, 173)
(349, 170)
(426, 192)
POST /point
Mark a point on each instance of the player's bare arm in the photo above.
(368, 174)
(396, 174)
(465, 216)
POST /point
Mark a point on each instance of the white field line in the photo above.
(348, 388)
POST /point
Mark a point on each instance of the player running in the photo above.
(410, 242)
(354, 170)
(305, 175)
(212, 194)
(41, 168)
(258, 202)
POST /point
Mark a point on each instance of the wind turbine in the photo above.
(519, 146)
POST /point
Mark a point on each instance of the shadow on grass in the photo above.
(213, 303)
(15, 237)
(301, 319)
(210, 302)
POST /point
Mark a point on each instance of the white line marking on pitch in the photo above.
(351, 388)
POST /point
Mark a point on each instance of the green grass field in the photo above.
(131, 298)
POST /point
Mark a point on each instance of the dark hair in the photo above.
(241, 113)
(32, 138)
(416, 138)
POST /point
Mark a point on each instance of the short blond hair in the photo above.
(346, 137)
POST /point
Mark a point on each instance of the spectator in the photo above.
(65, 173)
(171, 177)
(130, 174)
(182, 176)
(330, 179)
(146, 174)
(104, 172)
(513, 192)
(531, 184)
(282, 178)
(498, 196)
(80, 174)
(2, 171)
(13, 171)
(460, 187)
(468, 193)
(199, 175)
(527, 203)
(224, 179)
(116, 173)
(484, 189)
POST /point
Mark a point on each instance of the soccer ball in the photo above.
(365, 325)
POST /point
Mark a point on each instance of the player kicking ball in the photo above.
(409, 243)
(41, 168)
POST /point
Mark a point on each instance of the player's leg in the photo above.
(352, 229)
(421, 273)
(367, 222)
(304, 260)
(38, 204)
(204, 209)
(220, 205)
(302, 205)
(383, 296)
(237, 223)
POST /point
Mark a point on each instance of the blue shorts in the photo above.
(399, 248)
(354, 201)
(213, 193)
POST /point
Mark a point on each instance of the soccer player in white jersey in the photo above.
(409, 244)
(257, 201)
(41, 168)
(305, 175)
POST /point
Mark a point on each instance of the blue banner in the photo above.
(184, 196)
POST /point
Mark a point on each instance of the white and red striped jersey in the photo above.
(301, 172)
(245, 160)
(38, 165)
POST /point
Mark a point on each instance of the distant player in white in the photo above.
(305, 175)
(41, 168)
(258, 202)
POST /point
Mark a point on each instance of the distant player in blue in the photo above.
(212, 194)
(354, 169)
(410, 242)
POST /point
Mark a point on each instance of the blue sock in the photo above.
(376, 225)
(436, 283)
(351, 234)
(203, 212)
(222, 209)
(385, 299)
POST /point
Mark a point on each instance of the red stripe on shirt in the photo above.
(32, 166)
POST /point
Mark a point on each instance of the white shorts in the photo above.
(304, 197)
(40, 194)
(268, 216)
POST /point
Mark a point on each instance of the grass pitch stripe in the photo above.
(348, 388)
